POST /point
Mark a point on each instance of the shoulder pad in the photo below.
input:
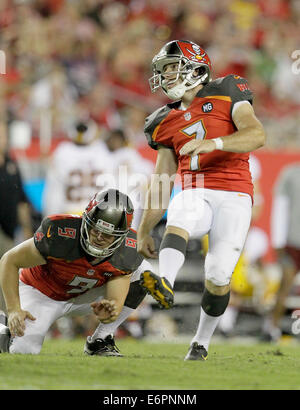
(233, 86)
(59, 236)
(152, 121)
(237, 88)
(126, 257)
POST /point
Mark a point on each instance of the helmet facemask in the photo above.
(186, 73)
(93, 249)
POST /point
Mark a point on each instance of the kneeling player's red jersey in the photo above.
(209, 116)
(68, 272)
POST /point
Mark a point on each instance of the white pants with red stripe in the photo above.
(225, 216)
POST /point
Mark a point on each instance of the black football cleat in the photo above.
(196, 352)
(159, 288)
(4, 334)
(101, 347)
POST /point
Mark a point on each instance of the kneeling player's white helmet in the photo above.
(194, 68)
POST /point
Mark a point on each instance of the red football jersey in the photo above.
(68, 272)
(209, 116)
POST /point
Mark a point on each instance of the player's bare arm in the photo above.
(25, 219)
(166, 164)
(108, 309)
(24, 255)
(249, 136)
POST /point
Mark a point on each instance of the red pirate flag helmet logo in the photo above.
(194, 52)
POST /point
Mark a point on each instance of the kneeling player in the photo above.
(73, 265)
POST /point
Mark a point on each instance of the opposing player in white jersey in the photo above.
(131, 171)
(74, 170)
(285, 240)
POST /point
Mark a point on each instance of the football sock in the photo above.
(212, 309)
(170, 262)
(206, 328)
(105, 329)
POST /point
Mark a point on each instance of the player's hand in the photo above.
(16, 322)
(105, 310)
(195, 147)
(146, 246)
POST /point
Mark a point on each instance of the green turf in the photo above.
(152, 366)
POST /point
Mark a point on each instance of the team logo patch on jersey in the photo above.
(90, 272)
(207, 107)
(130, 242)
(187, 116)
(39, 236)
(49, 234)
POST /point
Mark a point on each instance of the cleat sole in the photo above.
(151, 284)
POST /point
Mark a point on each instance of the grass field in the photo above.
(152, 366)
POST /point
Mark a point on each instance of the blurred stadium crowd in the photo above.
(71, 60)
(71, 56)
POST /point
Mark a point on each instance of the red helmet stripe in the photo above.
(129, 219)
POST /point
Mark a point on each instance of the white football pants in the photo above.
(47, 311)
(225, 216)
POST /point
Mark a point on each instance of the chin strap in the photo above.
(178, 91)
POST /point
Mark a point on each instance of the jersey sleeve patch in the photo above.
(238, 89)
(126, 257)
(43, 238)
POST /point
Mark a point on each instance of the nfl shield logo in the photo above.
(187, 116)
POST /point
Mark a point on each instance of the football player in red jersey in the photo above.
(72, 266)
(206, 135)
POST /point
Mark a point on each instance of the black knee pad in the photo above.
(214, 305)
(135, 295)
(174, 241)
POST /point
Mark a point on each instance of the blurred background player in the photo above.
(131, 170)
(132, 173)
(74, 170)
(285, 236)
(15, 208)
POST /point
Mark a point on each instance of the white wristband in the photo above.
(219, 143)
